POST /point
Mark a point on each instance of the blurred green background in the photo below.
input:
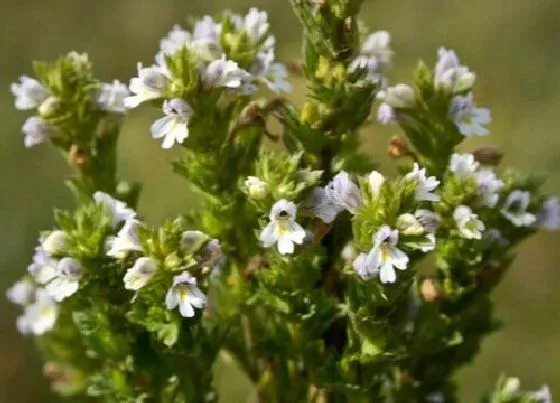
(514, 46)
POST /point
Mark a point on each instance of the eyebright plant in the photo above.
(325, 280)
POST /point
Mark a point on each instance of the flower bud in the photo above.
(407, 224)
(375, 180)
(48, 107)
(401, 96)
(256, 188)
(458, 79)
(428, 290)
(55, 242)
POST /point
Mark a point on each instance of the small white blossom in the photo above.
(175, 40)
(463, 165)
(489, 187)
(348, 253)
(44, 268)
(344, 193)
(173, 128)
(375, 180)
(375, 56)
(365, 267)
(321, 205)
(110, 97)
(67, 279)
(150, 84)
(256, 188)
(450, 75)
(36, 131)
(424, 185)
(39, 317)
(126, 240)
(282, 228)
(542, 395)
(55, 243)
(224, 73)
(470, 227)
(138, 275)
(515, 209)
(119, 210)
(407, 224)
(185, 294)
(192, 240)
(22, 292)
(273, 75)
(385, 256)
(256, 25)
(549, 216)
(400, 96)
(511, 387)
(429, 220)
(29, 93)
(386, 114)
(468, 119)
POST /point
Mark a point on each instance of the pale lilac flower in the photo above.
(515, 209)
(39, 317)
(175, 40)
(450, 75)
(468, 119)
(55, 243)
(429, 220)
(29, 93)
(44, 268)
(185, 294)
(463, 165)
(224, 73)
(542, 395)
(111, 97)
(385, 256)
(173, 128)
(282, 228)
(344, 193)
(22, 292)
(489, 187)
(67, 279)
(549, 216)
(256, 25)
(321, 205)
(365, 267)
(192, 240)
(386, 114)
(273, 75)
(375, 56)
(468, 224)
(140, 273)
(425, 186)
(126, 240)
(118, 210)
(36, 131)
(151, 83)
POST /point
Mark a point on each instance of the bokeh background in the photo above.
(514, 46)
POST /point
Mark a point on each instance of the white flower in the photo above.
(549, 216)
(386, 114)
(408, 224)
(274, 75)
(185, 294)
(468, 119)
(138, 275)
(424, 185)
(175, 40)
(126, 240)
(256, 25)
(206, 29)
(282, 228)
(470, 227)
(400, 96)
(428, 219)
(344, 193)
(515, 209)
(67, 279)
(489, 186)
(256, 188)
(39, 317)
(447, 59)
(365, 267)
(55, 243)
(173, 128)
(450, 75)
(119, 210)
(36, 131)
(377, 46)
(150, 84)
(22, 292)
(375, 180)
(463, 165)
(44, 268)
(29, 93)
(224, 73)
(385, 256)
(542, 395)
(321, 205)
(192, 240)
(511, 387)
(110, 97)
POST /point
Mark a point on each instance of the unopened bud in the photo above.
(48, 107)
(488, 155)
(398, 147)
(55, 242)
(428, 290)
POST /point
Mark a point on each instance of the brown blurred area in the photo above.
(514, 47)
